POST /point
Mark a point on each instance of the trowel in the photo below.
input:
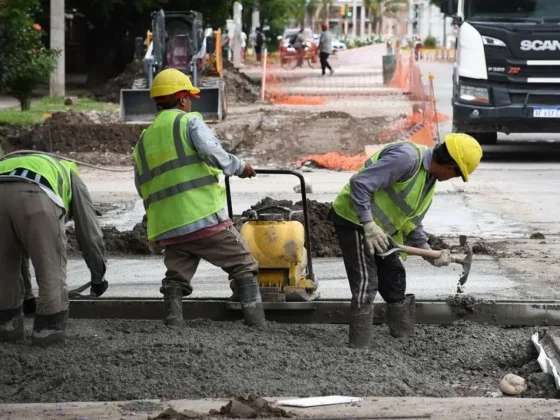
(434, 255)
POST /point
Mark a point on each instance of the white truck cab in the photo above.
(506, 76)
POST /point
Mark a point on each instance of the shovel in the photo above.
(434, 255)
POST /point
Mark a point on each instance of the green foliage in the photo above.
(430, 42)
(49, 105)
(27, 63)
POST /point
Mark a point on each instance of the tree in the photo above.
(114, 25)
(26, 63)
(383, 8)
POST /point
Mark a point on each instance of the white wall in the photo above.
(431, 23)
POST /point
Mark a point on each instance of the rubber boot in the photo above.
(251, 304)
(11, 325)
(49, 329)
(30, 306)
(173, 298)
(401, 317)
(361, 326)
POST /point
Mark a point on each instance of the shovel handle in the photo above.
(428, 253)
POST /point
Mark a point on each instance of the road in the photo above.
(512, 195)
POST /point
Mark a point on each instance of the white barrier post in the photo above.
(263, 80)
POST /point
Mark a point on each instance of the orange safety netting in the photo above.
(419, 127)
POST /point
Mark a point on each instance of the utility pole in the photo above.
(57, 35)
(363, 20)
(354, 17)
(237, 9)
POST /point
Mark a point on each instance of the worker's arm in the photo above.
(88, 230)
(210, 149)
(395, 164)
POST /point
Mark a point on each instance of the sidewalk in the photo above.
(8, 102)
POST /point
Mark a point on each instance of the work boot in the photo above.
(49, 329)
(401, 317)
(251, 303)
(173, 298)
(361, 326)
(30, 306)
(11, 325)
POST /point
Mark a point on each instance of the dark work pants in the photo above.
(369, 273)
(324, 63)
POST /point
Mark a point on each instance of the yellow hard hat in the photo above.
(465, 151)
(170, 81)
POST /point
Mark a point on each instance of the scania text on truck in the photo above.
(506, 76)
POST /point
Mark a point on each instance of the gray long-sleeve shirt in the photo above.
(395, 164)
(325, 42)
(210, 150)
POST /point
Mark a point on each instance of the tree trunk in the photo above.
(24, 102)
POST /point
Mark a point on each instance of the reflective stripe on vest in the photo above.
(58, 176)
(182, 159)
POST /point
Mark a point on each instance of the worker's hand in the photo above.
(443, 260)
(376, 239)
(97, 289)
(248, 172)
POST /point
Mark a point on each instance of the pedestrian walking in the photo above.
(39, 193)
(389, 196)
(325, 48)
(178, 161)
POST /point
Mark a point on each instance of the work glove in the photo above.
(443, 260)
(248, 172)
(97, 289)
(376, 239)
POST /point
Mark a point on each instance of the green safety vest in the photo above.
(396, 209)
(177, 186)
(56, 172)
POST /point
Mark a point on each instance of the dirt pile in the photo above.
(110, 91)
(239, 88)
(123, 360)
(252, 407)
(92, 136)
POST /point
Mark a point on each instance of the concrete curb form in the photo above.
(327, 311)
(370, 408)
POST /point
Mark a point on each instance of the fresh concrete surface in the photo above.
(370, 407)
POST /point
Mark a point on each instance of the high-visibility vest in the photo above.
(396, 209)
(56, 172)
(177, 186)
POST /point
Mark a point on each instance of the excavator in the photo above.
(178, 40)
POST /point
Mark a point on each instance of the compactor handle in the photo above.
(303, 201)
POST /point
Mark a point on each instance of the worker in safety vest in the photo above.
(389, 196)
(177, 166)
(39, 193)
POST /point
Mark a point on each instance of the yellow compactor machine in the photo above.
(281, 246)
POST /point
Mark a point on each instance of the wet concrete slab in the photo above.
(141, 277)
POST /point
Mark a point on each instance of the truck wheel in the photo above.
(485, 138)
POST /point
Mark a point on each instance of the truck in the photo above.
(506, 76)
(178, 40)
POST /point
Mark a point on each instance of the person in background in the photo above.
(325, 48)
(299, 46)
(259, 43)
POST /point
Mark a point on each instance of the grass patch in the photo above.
(49, 105)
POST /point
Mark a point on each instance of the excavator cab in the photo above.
(178, 40)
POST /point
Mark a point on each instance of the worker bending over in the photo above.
(177, 166)
(389, 196)
(38, 194)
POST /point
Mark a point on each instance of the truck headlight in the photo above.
(474, 94)
(494, 42)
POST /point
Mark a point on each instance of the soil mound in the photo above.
(110, 91)
(239, 89)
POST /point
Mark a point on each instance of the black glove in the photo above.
(97, 289)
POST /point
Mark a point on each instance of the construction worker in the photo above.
(38, 193)
(389, 196)
(177, 164)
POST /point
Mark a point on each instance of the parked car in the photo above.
(338, 45)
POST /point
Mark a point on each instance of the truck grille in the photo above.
(519, 99)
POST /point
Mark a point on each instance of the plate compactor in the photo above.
(281, 246)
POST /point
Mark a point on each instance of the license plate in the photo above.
(546, 112)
